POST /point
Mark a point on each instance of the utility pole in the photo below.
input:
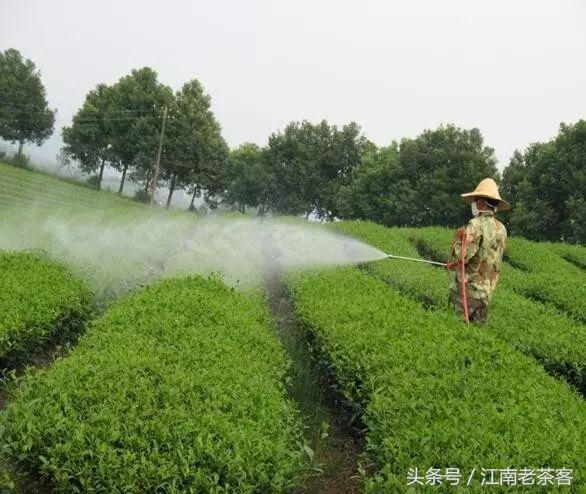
(158, 162)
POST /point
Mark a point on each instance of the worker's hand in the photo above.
(452, 265)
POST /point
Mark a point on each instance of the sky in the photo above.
(515, 69)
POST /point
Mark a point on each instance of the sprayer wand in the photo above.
(391, 256)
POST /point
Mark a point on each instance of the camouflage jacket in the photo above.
(486, 240)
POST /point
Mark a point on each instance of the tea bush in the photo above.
(546, 272)
(433, 392)
(533, 328)
(176, 388)
(549, 277)
(575, 254)
(40, 301)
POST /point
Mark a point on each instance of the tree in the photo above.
(546, 185)
(89, 138)
(368, 196)
(24, 112)
(248, 178)
(344, 154)
(294, 174)
(439, 165)
(194, 151)
(309, 163)
(418, 183)
(138, 100)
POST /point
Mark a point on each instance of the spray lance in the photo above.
(391, 256)
(460, 265)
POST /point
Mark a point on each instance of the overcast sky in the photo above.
(514, 68)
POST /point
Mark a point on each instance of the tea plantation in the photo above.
(182, 385)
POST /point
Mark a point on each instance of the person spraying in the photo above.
(477, 253)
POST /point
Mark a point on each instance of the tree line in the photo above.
(121, 125)
(304, 169)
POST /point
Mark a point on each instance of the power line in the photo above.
(118, 110)
(86, 123)
(105, 116)
(120, 115)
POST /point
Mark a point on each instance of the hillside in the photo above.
(21, 188)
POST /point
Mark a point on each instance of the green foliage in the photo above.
(434, 392)
(195, 151)
(7, 483)
(93, 181)
(574, 254)
(40, 301)
(20, 161)
(556, 341)
(24, 115)
(309, 163)
(142, 195)
(120, 126)
(367, 195)
(418, 183)
(546, 276)
(28, 189)
(176, 388)
(439, 165)
(89, 138)
(248, 178)
(546, 184)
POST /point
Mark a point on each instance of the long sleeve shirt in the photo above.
(486, 239)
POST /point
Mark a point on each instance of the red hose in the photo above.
(463, 276)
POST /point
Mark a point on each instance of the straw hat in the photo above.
(487, 188)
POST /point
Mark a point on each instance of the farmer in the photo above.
(484, 242)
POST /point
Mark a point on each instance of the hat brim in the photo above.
(470, 196)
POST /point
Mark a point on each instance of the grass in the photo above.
(22, 188)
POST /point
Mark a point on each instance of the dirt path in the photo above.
(336, 445)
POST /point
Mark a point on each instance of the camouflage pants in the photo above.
(477, 307)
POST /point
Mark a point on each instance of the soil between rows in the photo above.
(336, 444)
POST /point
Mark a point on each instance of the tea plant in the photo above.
(533, 328)
(40, 302)
(176, 388)
(432, 391)
(575, 254)
(538, 270)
